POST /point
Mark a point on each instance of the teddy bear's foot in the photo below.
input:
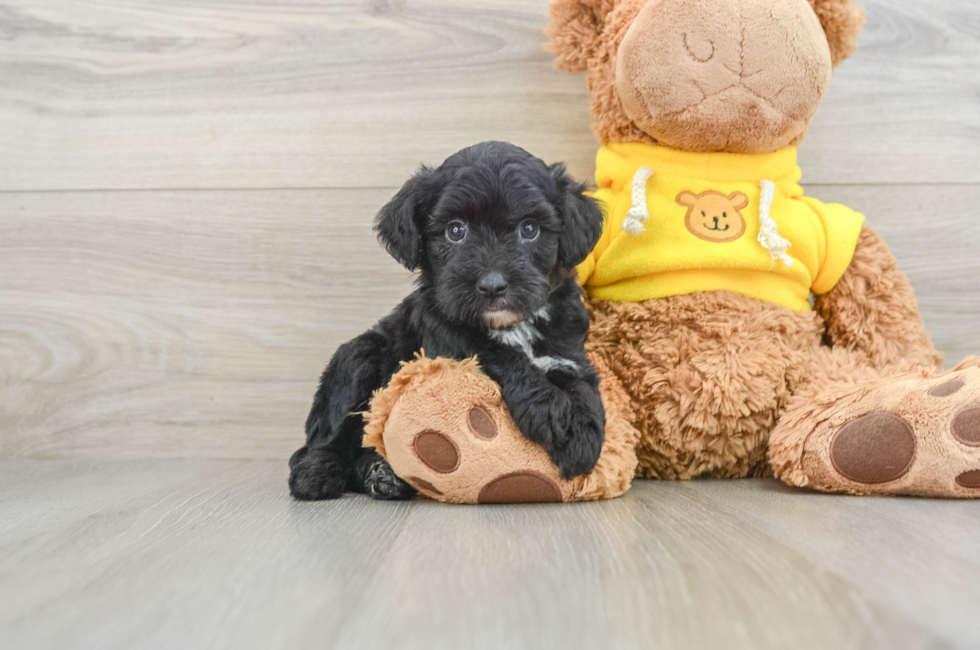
(443, 427)
(913, 436)
(449, 435)
(488, 463)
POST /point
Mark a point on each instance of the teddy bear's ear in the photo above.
(574, 27)
(687, 199)
(739, 201)
(842, 21)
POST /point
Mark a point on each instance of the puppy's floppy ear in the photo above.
(842, 21)
(574, 28)
(581, 219)
(399, 225)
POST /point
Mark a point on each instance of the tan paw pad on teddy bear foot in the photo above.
(920, 437)
(442, 455)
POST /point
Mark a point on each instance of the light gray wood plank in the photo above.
(157, 324)
(36, 497)
(906, 107)
(218, 556)
(327, 93)
(887, 544)
(220, 582)
(934, 232)
(357, 93)
(187, 323)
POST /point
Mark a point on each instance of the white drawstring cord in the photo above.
(638, 213)
(768, 230)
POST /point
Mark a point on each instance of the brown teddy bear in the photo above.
(740, 327)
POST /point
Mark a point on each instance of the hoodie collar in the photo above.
(617, 162)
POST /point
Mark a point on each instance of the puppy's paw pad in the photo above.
(966, 426)
(874, 448)
(521, 487)
(437, 451)
(481, 423)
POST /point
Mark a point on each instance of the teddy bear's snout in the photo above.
(737, 75)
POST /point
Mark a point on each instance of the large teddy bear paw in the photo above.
(443, 427)
(914, 436)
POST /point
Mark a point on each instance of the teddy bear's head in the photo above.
(744, 76)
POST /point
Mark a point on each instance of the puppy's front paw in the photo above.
(381, 483)
(316, 474)
(582, 445)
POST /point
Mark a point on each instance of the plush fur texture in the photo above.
(924, 402)
(689, 76)
(726, 386)
(441, 396)
(847, 398)
(873, 312)
(743, 76)
(842, 22)
(711, 374)
(495, 234)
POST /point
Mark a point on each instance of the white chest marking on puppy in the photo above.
(524, 335)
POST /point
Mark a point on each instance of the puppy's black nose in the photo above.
(492, 285)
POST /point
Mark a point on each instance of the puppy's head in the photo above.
(493, 230)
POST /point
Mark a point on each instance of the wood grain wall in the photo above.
(186, 191)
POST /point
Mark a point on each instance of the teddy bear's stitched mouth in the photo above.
(723, 137)
(651, 106)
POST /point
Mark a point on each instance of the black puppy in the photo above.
(495, 234)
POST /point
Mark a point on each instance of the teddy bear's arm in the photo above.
(872, 309)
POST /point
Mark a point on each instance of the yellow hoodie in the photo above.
(679, 222)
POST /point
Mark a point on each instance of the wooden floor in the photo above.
(211, 553)
(187, 189)
(186, 193)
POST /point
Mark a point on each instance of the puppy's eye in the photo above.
(456, 231)
(528, 230)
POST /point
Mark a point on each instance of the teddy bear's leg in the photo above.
(708, 375)
(892, 431)
(443, 427)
